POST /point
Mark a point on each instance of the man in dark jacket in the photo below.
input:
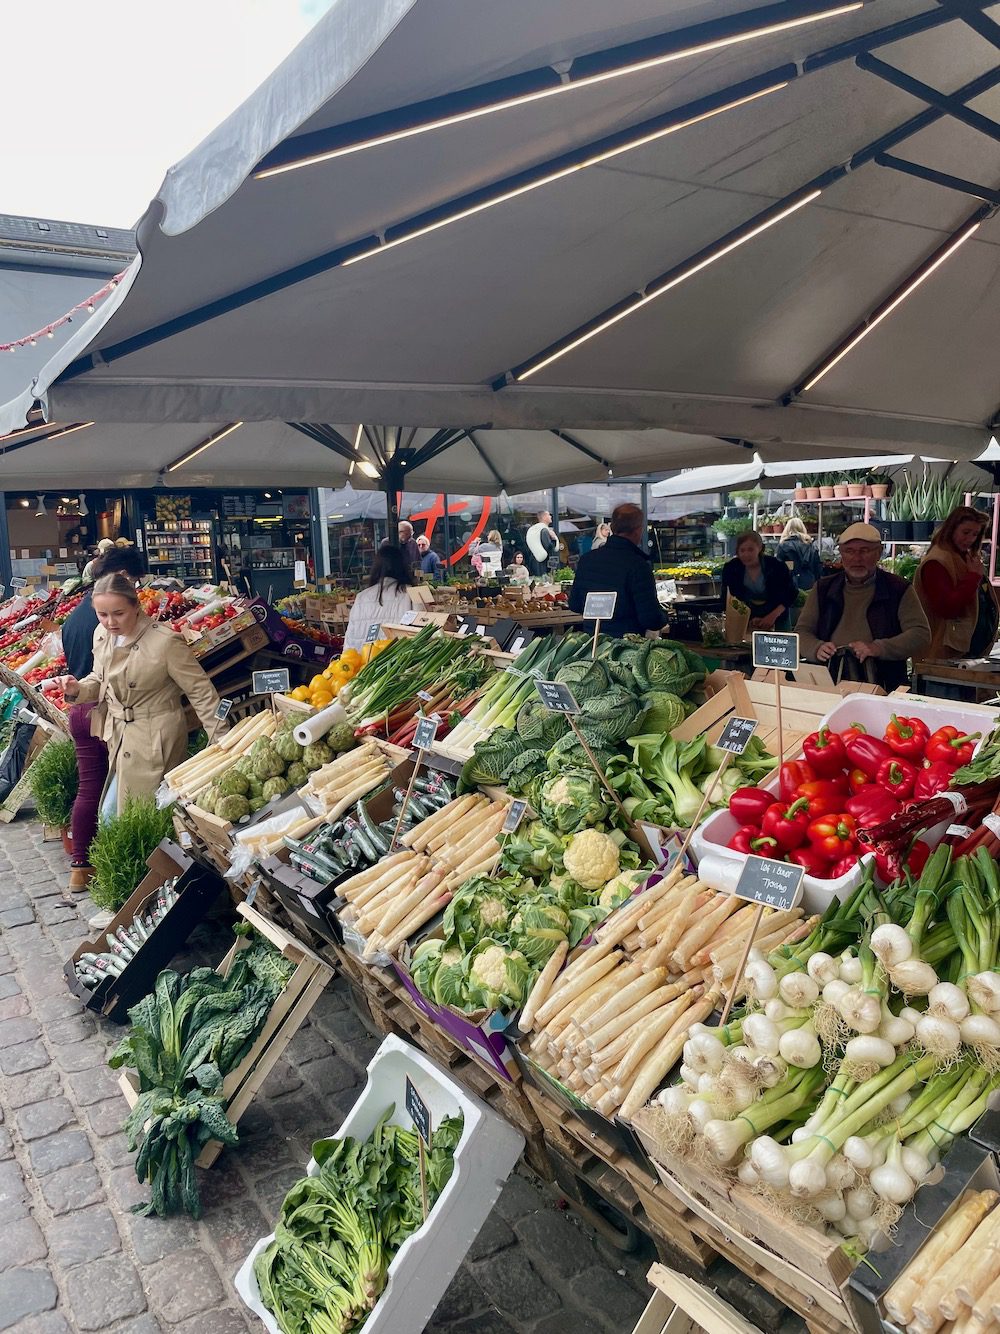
(622, 567)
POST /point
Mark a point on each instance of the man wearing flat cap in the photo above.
(863, 608)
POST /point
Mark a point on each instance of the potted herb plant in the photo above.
(855, 483)
(119, 851)
(810, 483)
(841, 491)
(52, 780)
(879, 484)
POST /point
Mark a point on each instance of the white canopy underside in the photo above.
(421, 333)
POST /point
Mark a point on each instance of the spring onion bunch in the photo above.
(857, 1062)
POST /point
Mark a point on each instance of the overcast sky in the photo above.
(99, 100)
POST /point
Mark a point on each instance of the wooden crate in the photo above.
(806, 1270)
(288, 1013)
(681, 1305)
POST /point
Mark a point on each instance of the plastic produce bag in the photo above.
(13, 758)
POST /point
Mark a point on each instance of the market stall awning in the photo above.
(765, 222)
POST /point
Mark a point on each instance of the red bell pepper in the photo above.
(844, 867)
(932, 780)
(748, 804)
(907, 737)
(751, 840)
(824, 795)
(825, 751)
(814, 862)
(857, 779)
(950, 746)
(872, 805)
(897, 776)
(788, 825)
(833, 835)
(850, 733)
(792, 775)
(890, 865)
(867, 753)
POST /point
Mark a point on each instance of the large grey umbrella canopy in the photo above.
(771, 223)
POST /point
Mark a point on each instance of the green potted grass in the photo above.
(878, 483)
(119, 851)
(52, 781)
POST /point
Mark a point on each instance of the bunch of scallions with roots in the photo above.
(839, 1087)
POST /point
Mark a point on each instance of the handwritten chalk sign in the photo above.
(600, 606)
(424, 734)
(275, 681)
(736, 735)
(556, 697)
(776, 650)
(374, 631)
(515, 814)
(773, 884)
(419, 1112)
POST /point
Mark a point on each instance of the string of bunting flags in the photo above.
(48, 330)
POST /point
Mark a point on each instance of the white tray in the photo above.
(428, 1260)
(872, 712)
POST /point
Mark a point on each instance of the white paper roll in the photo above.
(316, 727)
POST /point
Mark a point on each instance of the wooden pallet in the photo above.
(287, 1015)
(680, 1305)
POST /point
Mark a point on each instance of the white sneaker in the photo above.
(100, 920)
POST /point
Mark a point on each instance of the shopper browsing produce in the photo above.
(91, 752)
(408, 546)
(430, 561)
(763, 582)
(954, 591)
(800, 553)
(384, 600)
(874, 614)
(517, 572)
(141, 672)
(622, 567)
(542, 541)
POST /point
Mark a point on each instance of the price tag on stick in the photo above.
(373, 633)
(515, 814)
(769, 884)
(222, 712)
(776, 650)
(426, 731)
(736, 735)
(556, 697)
(421, 1116)
(597, 608)
(274, 681)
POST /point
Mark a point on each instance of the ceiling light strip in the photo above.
(658, 288)
(591, 160)
(585, 80)
(894, 302)
(205, 444)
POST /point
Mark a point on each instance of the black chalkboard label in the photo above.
(419, 1111)
(774, 650)
(222, 712)
(275, 681)
(736, 735)
(600, 606)
(556, 697)
(426, 731)
(515, 814)
(18, 582)
(775, 884)
(374, 631)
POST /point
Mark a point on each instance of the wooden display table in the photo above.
(981, 680)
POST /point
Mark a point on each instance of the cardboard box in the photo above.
(197, 889)
(287, 642)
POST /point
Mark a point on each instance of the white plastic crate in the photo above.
(873, 712)
(428, 1260)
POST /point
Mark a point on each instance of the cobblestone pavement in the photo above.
(72, 1256)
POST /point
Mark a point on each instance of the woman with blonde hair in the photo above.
(954, 589)
(798, 550)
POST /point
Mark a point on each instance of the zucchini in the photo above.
(361, 841)
(374, 831)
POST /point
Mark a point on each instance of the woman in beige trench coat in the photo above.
(141, 670)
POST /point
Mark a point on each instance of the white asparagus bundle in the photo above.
(613, 1022)
(938, 1288)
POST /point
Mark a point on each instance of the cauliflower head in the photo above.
(616, 891)
(591, 858)
(498, 978)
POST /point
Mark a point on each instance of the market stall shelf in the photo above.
(288, 1013)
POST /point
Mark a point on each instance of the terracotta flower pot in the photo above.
(879, 491)
(812, 493)
(801, 493)
(841, 491)
(855, 490)
(826, 493)
(67, 840)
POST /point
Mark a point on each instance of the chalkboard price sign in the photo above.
(426, 731)
(18, 582)
(515, 814)
(556, 697)
(374, 631)
(736, 735)
(775, 884)
(273, 682)
(419, 1111)
(600, 606)
(774, 650)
